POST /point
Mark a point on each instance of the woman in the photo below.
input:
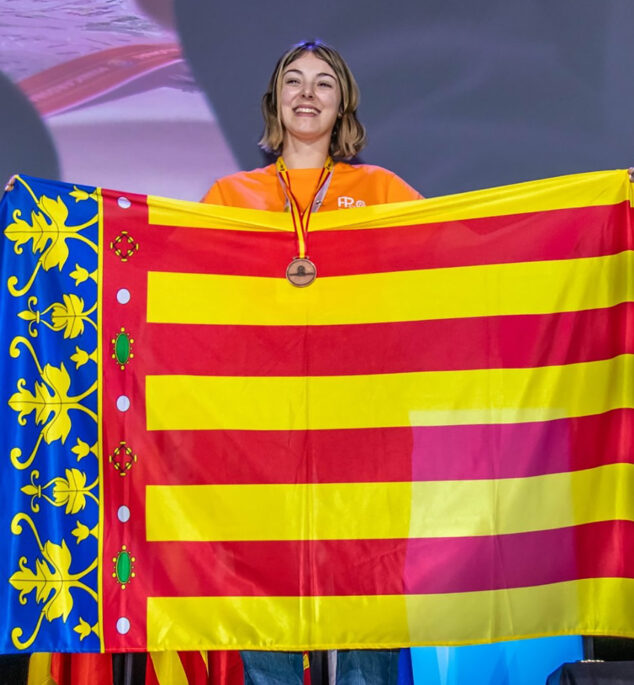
(309, 113)
(310, 122)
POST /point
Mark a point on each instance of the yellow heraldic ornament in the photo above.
(51, 277)
(67, 316)
(82, 532)
(51, 580)
(122, 458)
(70, 492)
(124, 246)
(83, 629)
(80, 194)
(50, 401)
(48, 233)
(83, 449)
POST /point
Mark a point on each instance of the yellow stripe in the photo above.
(168, 668)
(164, 211)
(40, 669)
(347, 511)
(100, 542)
(563, 192)
(485, 290)
(590, 607)
(401, 399)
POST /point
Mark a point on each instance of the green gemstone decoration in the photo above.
(122, 348)
(123, 568)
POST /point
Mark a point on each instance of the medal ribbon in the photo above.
(301, 219)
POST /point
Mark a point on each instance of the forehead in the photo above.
(308, 62)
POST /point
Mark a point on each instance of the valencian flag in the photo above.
(430, 444)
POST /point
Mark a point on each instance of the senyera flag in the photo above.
(429, 445)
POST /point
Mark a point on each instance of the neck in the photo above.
(300, 155)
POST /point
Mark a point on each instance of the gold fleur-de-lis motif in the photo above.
(83, 628)
(50, 578)
(67, 316)
(81, 357)
(82, 532)
(70, 492)
(48, 233)
(80, 194)
(50, 401)
(83, 449)
(70, 316)
(80, 274)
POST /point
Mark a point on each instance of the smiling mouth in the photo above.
(305, 110)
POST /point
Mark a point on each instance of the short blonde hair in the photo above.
(348, 135)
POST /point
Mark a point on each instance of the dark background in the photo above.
(455, 95)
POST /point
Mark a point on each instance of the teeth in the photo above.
(307, 110)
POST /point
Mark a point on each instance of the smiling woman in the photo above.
(310, 104)
(311, 124)
(321, 67)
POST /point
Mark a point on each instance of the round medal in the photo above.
(301, 272)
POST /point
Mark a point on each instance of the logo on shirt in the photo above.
(345, 202)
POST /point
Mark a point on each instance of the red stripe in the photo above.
(556, 234)
(194, 667)
(70, 669)
(225, 668)
(120, 491)
(437, 345)
(370, 567)
(596, 550)
(386, 454)
(150, 674)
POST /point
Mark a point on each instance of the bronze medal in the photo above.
(301, 272)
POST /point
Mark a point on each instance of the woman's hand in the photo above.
(630, 171)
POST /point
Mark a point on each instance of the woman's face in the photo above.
(310, 99)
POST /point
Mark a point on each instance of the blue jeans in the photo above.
(273, 668)
(354, 667)
(367, 666)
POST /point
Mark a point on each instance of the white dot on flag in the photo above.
(123, 625)
(123, 514)
(124, 203)
(123, 403)
(123, 296)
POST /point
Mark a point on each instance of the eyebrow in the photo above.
(321, 73)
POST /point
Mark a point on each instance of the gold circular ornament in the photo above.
(301, 272)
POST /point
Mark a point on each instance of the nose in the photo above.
(307, 91)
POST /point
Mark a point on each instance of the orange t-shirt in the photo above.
(351, 185)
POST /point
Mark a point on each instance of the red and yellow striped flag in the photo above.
(179, 668)
(431, 444)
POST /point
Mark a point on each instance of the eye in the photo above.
(291, 81)
(325, 84)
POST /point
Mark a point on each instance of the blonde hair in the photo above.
(348, 135)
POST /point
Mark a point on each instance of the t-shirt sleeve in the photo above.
(214, 195)
(399, 191)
